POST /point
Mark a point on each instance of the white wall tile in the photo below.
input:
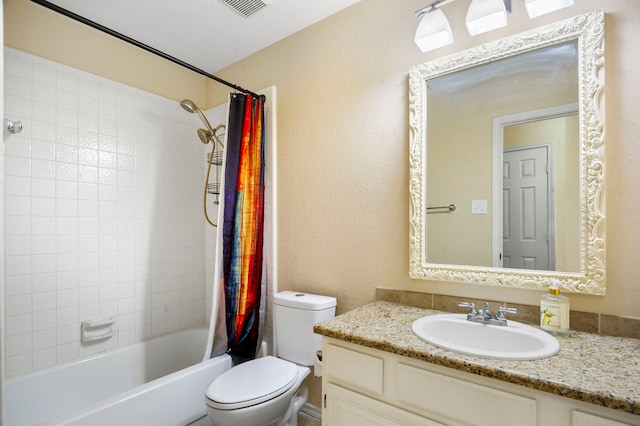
(17, 245)
(66, 153)
(18, 284)
(67, 80)
(67, 334)
(66, 127)
(43, 244)
(97, 213)
(41, 206)
(19, 145)
(43, 263)
(17, 265)
(44, 320)
(67, 244)
(44, 169)
(44, 301)
(43, 188)
(43, 131)
(45, 225)
(67, 352)
(17, 86)
(44, 94)
(17, 225)
(43, 282)
(44, 358)
(17, 205)
(18, 364)
(15, 185)
(89, 311)
(68, 279)
(18, 305)
(18, 324)
(19, 166)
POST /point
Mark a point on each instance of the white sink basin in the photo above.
(515, 341)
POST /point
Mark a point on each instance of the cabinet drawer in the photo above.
(346, 408)
(584, 419)
(355, 369)
(462, 401)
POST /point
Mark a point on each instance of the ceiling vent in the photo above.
(246, 8)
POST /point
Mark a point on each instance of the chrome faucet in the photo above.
(483, 316)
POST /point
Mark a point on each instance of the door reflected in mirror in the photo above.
(539, 195)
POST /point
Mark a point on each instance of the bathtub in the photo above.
(160, 381)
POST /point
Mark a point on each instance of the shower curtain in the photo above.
(239, 286)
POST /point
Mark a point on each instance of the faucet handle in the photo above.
(471, 306)
(503, 310)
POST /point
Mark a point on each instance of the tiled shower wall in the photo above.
(103, 213)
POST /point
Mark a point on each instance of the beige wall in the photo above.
(343, 148)
(37, 30)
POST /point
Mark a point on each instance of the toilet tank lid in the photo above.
(296, 299)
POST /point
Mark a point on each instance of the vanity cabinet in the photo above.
(364, 386)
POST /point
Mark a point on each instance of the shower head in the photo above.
(205, 136)
(189, 106)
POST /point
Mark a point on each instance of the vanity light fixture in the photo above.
(487, 15)
(433, 30)
(536, 8)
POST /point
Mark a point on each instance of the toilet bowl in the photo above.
(262, 392)
(266, 391)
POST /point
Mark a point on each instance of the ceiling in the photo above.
(207, 34)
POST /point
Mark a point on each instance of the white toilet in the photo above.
(264, 391)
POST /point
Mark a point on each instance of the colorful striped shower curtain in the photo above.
(239, 280)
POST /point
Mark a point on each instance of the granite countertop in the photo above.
(601, 370)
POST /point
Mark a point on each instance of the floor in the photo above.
(303, 420)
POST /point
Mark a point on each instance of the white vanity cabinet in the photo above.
(364, 386)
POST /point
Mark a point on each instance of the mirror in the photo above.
(473, 218)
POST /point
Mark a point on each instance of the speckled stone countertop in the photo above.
(598, 369)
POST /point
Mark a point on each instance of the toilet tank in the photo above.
(295, 315)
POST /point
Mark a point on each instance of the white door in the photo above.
(526, 209)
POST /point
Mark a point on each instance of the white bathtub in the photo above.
(160, 381)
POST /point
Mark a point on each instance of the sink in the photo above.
(515, 341)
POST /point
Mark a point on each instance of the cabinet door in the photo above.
(584, 419)
(347, 408)
(461, 401)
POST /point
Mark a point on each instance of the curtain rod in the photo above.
(136, 43)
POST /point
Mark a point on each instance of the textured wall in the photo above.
(343, 150)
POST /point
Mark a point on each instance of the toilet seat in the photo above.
(251, 383)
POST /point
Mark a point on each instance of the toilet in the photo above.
(266, 391)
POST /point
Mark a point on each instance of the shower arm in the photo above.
(206, 123)
(215, 136)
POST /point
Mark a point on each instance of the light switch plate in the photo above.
(478, 206)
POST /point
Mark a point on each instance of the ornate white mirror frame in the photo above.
(588, 29)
